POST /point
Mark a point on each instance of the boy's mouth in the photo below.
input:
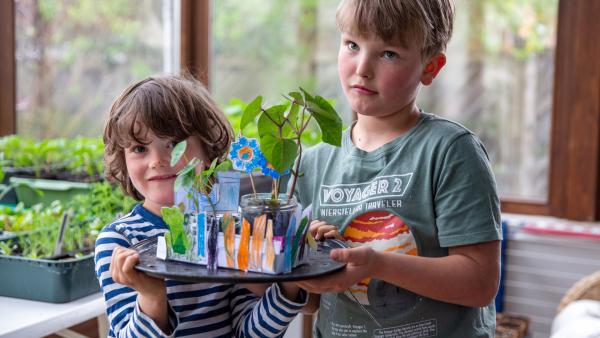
(162, 177)
(363, 90)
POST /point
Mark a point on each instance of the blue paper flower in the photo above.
(268, 170)
(245, 155)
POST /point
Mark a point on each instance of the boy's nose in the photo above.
(364, 68)
(159, 161)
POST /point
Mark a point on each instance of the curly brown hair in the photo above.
(170, 106)
(426, 24)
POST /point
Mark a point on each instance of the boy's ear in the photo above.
(432, 68)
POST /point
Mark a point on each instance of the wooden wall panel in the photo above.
(574, 185)
(8, 123)
(195, 38)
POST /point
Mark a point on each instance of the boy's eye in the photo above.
(352, 45)
(138, 149)
(389, 55)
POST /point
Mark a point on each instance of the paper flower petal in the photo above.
(245, 155)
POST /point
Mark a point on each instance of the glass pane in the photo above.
(74, 57)
(270, 47)
(498, 82)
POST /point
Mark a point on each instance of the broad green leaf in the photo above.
(251, 111)
(307, 96)
(276, 113)
(293, 118)
(297, 97)
(280, 153)
(327, 118)
(177, 152)
(266, 127)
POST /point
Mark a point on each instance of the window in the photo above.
(74, 57)
(498, 82)
(270, 47)
(569, 160)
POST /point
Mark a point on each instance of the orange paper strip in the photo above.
(242, 256)
(270, 250)
(229, 239)
(258, 235)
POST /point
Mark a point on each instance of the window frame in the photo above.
(574, 172)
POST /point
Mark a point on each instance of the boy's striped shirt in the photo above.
(209, 310)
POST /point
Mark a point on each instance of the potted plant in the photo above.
(47, 256)
(48, 170)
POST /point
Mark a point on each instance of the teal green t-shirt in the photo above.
(429, 189)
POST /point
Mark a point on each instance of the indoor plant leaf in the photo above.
(177, 152)
(329, 121)
(280, 153)
(251, 111)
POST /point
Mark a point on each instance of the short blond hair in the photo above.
(426, 24)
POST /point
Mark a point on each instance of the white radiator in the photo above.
(544, 257)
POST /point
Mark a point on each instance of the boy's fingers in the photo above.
(130, 262)
(333, 234)
(314, 226)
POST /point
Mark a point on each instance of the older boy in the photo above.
(411, 193)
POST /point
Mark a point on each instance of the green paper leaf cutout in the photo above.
(297, 240)
(177, 152)
(174, 219)
(180, 244)
(225, 220)
(251, 111)
(168, 240)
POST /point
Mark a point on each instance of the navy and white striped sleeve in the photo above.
(124, 315)
(268, 316)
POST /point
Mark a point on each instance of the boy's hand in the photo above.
(321, 230)
(360, 262)
(123, 272)
(152, 292)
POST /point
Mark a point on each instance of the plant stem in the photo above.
(253, 187)
(295, 172)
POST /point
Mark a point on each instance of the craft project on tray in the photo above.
(266, 232)
(259, 239)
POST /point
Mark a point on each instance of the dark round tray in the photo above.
(319, 264)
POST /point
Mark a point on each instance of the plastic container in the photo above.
(46, 280)
(28, 190)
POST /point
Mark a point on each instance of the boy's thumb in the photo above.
(341, 255)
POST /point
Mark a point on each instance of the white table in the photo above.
(26, 318)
